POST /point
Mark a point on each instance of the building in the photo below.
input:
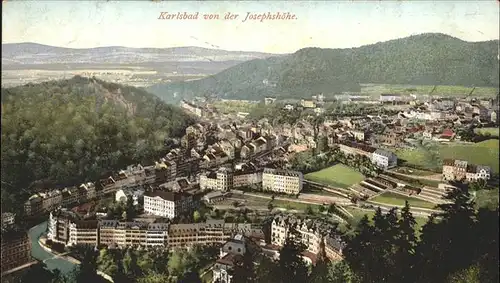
(312, 232)
(211, 231)
(269, 100)
(208, 181)
(460, 170)
(122, 195)
(224, 179)
(51, 199)
(119, 234)
(157, 235)
(354, 148)
(477, 172)
(243, 178)
(107, 232)
(165, 171)
(214, 197)
(384, 159)
(58, 225)
(90, 189)
(390, 138)
(307, 103)
(33, 205)
(70, 196)
(358, 135)
(282, 181)
(168, 204)
(230, 253)
(333, 247)
(16, 249)
(395, 97)
(83, 232)
(191, 108)
(8, 219)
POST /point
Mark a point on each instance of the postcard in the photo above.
(250, 141)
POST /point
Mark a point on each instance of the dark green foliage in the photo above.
(456, 244)
(427, 59)
(35, 273)
(320, 272)
(69, 131)
(244, 269)
(292, 267)
(267, 271)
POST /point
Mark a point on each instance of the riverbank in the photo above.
(42, 243)
(64, 256)
(41, 254)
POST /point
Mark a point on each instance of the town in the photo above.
(232, 180)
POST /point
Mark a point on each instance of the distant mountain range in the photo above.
(426, 59)
(33, 53)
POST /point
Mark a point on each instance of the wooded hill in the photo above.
(426, 59)
(75, 130)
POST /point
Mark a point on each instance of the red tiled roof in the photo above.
(447, 133)
(229, 259)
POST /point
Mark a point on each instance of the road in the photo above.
(316, 201)
(416, 211)
(52, 261)
(436, 177)
(345, 191)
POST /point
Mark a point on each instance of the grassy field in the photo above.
(491, 131)
(339, 175)
(426, 89)
(482, 153)
(397, 199)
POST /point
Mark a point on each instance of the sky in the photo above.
(342, 24)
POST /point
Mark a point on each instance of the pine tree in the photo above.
(405, 245)
(358, 253)
(244, 271)
(291, 264)
(378, 248)
(267, 270)
(487, 244)
(319, 273)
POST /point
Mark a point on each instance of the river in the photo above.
(40, 254)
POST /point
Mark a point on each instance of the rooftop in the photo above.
(170, 196)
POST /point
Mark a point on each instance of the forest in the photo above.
(62, 132)
(425, 59)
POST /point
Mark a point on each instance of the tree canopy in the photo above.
(62, 132)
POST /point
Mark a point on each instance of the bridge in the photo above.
(56, 256)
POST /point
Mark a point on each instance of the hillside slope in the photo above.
(74, 130)
(33, 53)
(426, 59)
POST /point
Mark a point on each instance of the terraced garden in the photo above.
(397, 199)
